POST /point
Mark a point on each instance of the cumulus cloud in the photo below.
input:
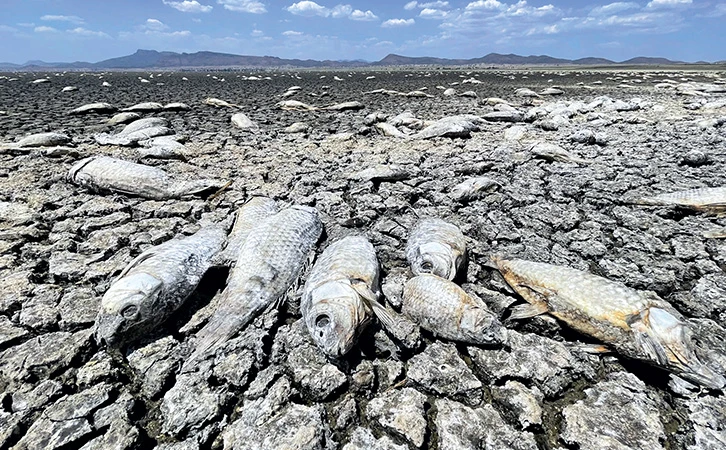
(308, 8)
(484, 4)
(437, 4)
(80, 31)
(431, 13)
(189, 6)
(155, 25)
(44, 29)
(613, 8)
(392, 23)
(667, 3)
(257, 33)
(56, 18)
(292, 33)
(247, 6)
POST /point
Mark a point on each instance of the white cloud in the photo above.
(431, 13)
(359, 15)
(189, 6)
(410, 5)
(484, 4)
(666, 3)
(309, 9)
(292, 33)
(154, 25)
(55, 18)
(26, 24)
(257, 33)
(437, 4)
(391, 23)
(247, 6)
(613, 8)
(44, 29)
(7, 29)
(90, 33)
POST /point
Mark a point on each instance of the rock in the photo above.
(9, 331)
(503, 116)
(99, 368)
(363, 439)
(65, 422)
(617, 413)
(273, 423)
(524, 404)
(462, 428)
(400, 411)
(67, 266)
(547, 364)
(43, 356)
(189, 405)
(708, 415)
(440, 370)
(695, 158)
(40, 311)
(38, 397)
(391, 172)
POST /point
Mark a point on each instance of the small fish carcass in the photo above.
(248, 216)
(436, 247)
(155, 284)
(446, 310)
(336, 299)
(710, 200)
(639, 325)
(268, 263)
(104, 173)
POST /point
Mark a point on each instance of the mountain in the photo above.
(148, 59)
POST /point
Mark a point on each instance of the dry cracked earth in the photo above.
(618, 134)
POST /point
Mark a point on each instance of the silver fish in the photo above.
(337, 295)
(241, 121)
(701, 199)
(138, 130)
(144, 107)
(638, 325)
(43, 140)
(716, 233)
(248, 217)
(155, 284)
(211, 101)
(98, 108)
(270, 261)
(436, 247)
(294, 105)
(104, 173)
(443, 308)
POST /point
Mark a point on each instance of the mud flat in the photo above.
(612, 136)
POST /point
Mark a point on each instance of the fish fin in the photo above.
(364, 291)
(651, 347)
(405, 331)
(528, 310)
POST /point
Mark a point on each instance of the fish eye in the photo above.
(427, 266)
(129, 311)
(322, 321)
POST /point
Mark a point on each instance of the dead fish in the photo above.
(638, 325)
(98, 108)
(294, 105)
(154, 285)
(446, 310)
(387, 129)
(43, 140)
(145, 107)
(269, 262)
(472, 189)
(718, 233)
(383, 172)
(124, 117)
(218, 103)
(162, 147)
(437, 247)
(241, 121)
(702, 199)
(553, 152)
(69, 89)
(176, 106)
(248, 217)
(138, 130)
(336, 301)
(345, 106)
(104, 173)
(453, 126)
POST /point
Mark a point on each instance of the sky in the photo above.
(94, 30)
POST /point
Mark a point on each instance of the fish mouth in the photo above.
(108, 330)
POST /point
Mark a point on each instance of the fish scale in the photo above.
(700, 198)
(437, 247)
(269, 262)
(637, 324)
(340, 285)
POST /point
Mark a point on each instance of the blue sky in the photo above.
(92, 30)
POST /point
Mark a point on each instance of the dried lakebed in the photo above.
(537, 165)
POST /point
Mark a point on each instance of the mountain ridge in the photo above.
(152, 59)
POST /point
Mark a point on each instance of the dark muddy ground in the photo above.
(61, 246)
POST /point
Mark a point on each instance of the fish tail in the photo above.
(220, 329)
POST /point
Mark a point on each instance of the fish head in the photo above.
(129, 305)
(335, 317)
(435, 258)
(482, 327)
(674, 348)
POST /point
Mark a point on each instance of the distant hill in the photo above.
(152, 59)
